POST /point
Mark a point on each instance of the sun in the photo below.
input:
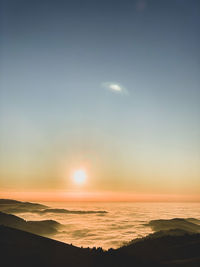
(79, 176)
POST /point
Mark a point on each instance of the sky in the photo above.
(107, 87)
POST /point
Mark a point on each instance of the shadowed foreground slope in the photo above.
(19, 248)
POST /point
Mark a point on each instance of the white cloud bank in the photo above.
(115, 87)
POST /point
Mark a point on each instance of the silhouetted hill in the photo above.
(23, 249)
(9, 201)
(14, 206)
(72, 211)
(186, 224)
(45, 227)
(165, 247)
(20, 249)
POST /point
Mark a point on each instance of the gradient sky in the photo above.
(108, 86)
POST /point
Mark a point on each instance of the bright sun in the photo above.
(79, 176)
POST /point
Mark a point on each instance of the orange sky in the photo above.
(95, 196)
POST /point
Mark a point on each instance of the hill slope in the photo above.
(20, 249)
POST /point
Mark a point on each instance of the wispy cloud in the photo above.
(115, 87)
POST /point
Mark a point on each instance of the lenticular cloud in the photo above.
(115, 87)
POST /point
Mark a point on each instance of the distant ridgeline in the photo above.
(14, 206)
